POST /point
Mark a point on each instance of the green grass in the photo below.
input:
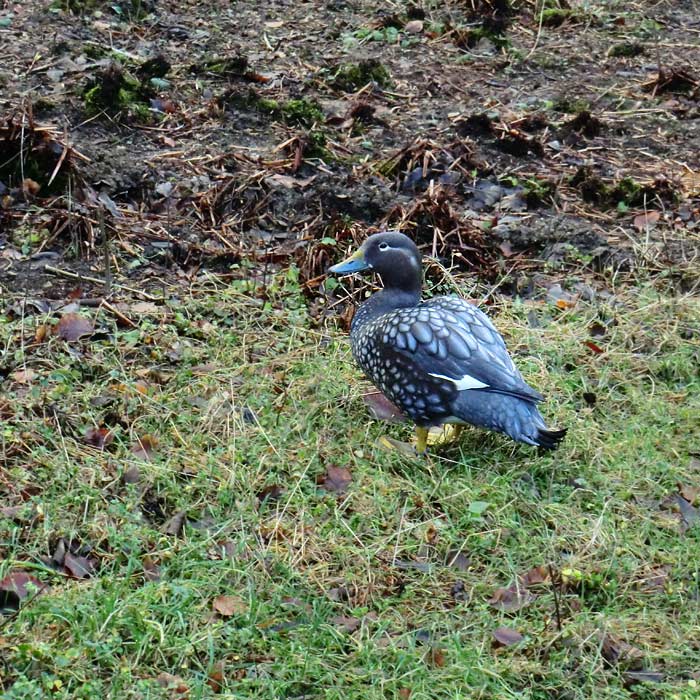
(243, 394)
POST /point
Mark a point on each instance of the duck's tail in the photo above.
(516, 417)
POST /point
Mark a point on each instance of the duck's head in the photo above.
(392, 255)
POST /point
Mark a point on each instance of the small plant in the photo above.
(353, 76)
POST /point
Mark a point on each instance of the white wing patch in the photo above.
(466, 382)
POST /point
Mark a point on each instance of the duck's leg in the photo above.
(421, 440)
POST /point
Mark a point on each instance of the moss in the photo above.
(625, 191)
(555, 16)
(539, 192)
(236, 65)
(117, 93)
(302, 112)
(478, 33)
(571, 105)
(627, 49)
(353, 76)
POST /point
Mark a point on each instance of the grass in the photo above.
(243, 394)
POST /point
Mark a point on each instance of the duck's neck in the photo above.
(382, 303)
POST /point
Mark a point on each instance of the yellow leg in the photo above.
(421, 440)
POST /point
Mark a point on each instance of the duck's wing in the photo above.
(450, 340)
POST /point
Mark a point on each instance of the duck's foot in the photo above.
(389, 443)
(444, 434)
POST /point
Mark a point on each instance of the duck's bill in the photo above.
(355, 263)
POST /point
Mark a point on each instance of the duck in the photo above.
(440, 360)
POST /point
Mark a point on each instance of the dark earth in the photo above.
(525, 143)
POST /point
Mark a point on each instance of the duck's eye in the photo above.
(383, 246)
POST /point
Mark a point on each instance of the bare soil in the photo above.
(519, 147)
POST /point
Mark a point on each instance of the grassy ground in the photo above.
(285, 581)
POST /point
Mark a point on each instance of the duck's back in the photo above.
(424, 356)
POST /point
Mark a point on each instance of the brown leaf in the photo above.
(336, 479)
(348, 624)
(24, 376)
(505, 248)
(593, 347)
(16, 587)
(41, 332)
(536, 576)
(382, 409)
(229, 605)
(436, 657)
(458, 560)
(216, 676)
(415, 26)
(151, 570)
(511, 599)
(145, 447)
(179, 690)
(99, 437)
(619, 653)
(690, 493)
(77, 566)
(175, 524)
(404, 693)
(132, 475)
(643, 221)
(73, 326)
(507, 636)
(270, 493)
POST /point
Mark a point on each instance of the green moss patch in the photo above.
(353, 76)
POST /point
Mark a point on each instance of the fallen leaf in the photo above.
(145, 447)
(689, 493)
(99, 437)
(24, 376)
(404, 693)
(565, 303)
(634, 677)
(619, 653)
(336, 479)
(535, 576)
(175, 524)
(215, 680)
(73, 326)
(174, 684)
(16, 587)
(382, 409)
(151, 570)
(77, 566)
(593, 347)
(229, 605)
(415, 26)
(505, 248)
(456, 559)
(348, 624)
(511, 599)
(132, 475)
(270, 493)
(506, 636)
(436, 657)
(646, 220)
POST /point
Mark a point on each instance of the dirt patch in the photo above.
(497, 138)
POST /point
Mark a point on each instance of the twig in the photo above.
(96, 280)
